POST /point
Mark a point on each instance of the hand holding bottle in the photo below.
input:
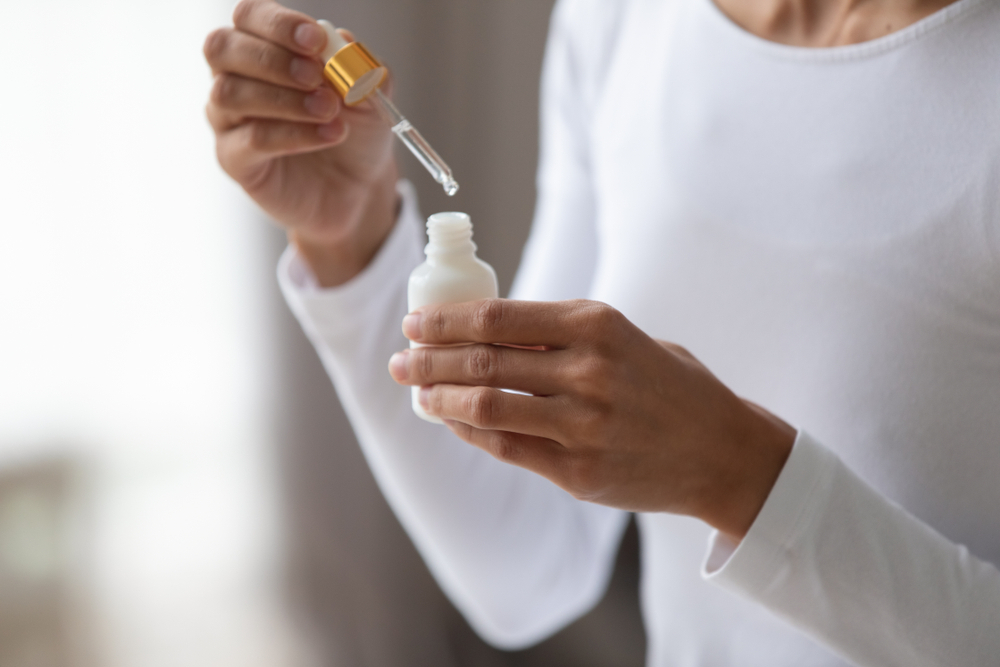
(323, 171)
(613, 416)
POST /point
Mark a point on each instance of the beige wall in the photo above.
(467, 75)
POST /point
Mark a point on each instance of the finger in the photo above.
(243, 149)
(270, 21)
(530, 371)
(555, 324)
(236, 98)
(236, 52)
(539, 455)
(495, 410)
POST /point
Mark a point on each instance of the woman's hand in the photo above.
(324, 171)
(614, 416)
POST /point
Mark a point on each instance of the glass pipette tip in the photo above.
(413, 140)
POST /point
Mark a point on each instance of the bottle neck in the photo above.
(450, 236)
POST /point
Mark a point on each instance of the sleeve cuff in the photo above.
(333, 309)
(763, 557)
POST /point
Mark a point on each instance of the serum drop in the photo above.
(451, 274)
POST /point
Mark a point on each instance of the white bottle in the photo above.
(451, 274)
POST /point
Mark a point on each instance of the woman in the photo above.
(806, 195)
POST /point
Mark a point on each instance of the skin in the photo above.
(826, 23)
(614, 416)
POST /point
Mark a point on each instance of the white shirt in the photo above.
(820, 227)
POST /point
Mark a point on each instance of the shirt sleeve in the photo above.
(517, 555)
(860, 574)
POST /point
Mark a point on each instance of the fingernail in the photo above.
(329, 131)
(397, 366)
(309, 36)
(320, 102)
(411, 326)
(424, 396)
(305, 71)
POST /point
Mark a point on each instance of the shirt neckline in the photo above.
(849, 52)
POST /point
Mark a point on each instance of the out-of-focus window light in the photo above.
(130, 351)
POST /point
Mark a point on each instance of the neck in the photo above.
(825, 23)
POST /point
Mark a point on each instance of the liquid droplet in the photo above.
(450, 188)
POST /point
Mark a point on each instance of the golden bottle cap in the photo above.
(354, 72)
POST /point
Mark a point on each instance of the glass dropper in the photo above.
(357, 74)
(415, 141)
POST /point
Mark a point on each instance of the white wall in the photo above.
(129, 328)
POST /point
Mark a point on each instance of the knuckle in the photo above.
(603, 316)
(582, 311)
(588, 371)
(583, 477)
(483, 364)
(595, 382)
(504, 448)
(284, 98)
(488, 316)
(593, 420)
(215, 44)
(481, 406)
(682, 351)
(223, 90)
(265, 59)
(422, 364)
(258, 136)
(434, 400)
(434, 324)
(277, 24)
(599, 324)
(243, 10)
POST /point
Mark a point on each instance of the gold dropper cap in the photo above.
(351, 68)
(356, 74)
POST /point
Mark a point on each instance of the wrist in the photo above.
(337, 258)
(763, 443)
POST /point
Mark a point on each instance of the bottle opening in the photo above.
(449, 221)
(448, 230)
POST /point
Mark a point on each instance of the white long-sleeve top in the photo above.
(821, 227)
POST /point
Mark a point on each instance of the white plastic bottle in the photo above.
(451, 274)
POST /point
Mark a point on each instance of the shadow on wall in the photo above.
(467, 75)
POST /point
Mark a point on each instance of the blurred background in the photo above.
(178, 485)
